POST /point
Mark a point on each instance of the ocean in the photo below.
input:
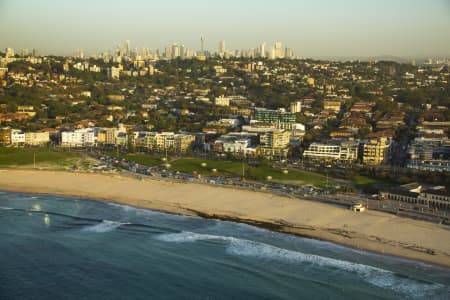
(55, 247)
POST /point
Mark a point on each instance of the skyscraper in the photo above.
(222, 48)
(9, 52)
(127, 47)
(278, 50)
(202, 45)
(167, 52)
(288, 53)
(80, 53)
(182, 51)
(175, 51)
(262, 50)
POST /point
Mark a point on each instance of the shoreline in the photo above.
(370, 231)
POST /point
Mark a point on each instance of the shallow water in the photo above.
(55, 247)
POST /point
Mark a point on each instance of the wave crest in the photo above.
(376, 276)
(104, 226)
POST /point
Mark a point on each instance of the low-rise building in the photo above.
(333, 105)
(436, 197)
(222, 101)
(338, 151)
(78, 138)
(17, 137)
(5, 136)
(37, 138)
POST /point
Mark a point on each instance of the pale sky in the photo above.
(313, 28)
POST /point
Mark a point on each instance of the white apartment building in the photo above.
(17, 137)
(346, 151)
(78, 138)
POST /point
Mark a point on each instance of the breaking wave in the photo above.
(6, 208)
(104, 226)
(376, 276)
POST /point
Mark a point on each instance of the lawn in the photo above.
(234, 168)
(10, 157)
(142, 159)
(229, 169)
(360, 180)
(224, 168)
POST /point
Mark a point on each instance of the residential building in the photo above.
(183, 142)
(281, 118)
(343, 151)
(222, 101)
(333, 105)
(37, 138)
(296, 107)
(327, 152)
(5, 136)
(17, 137)
(113, 73)
(78, 138)
(376, 151)
(274, 143)
(165, 141)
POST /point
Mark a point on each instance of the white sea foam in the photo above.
(104, 226)
(148, 212)
(376, 276)
(6, 208)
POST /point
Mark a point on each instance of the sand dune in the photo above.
(369, 230)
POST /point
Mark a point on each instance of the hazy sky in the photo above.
(313, 28)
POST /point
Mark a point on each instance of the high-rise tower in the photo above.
(202, 44)
(222, 48)
(262, 50)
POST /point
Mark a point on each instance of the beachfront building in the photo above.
(37, 138)
(111, 136)
(376, 151)
(274, 143)
(236, 143)
(326, 152)
(165, 141)
(183, 142)
(436, 197)
(5, 136)
(17, 137)
(78, 138)
(139, 139)
(338, 151)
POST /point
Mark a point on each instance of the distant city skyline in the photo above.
(323, 28)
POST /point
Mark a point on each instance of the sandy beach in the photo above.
(370, 230)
